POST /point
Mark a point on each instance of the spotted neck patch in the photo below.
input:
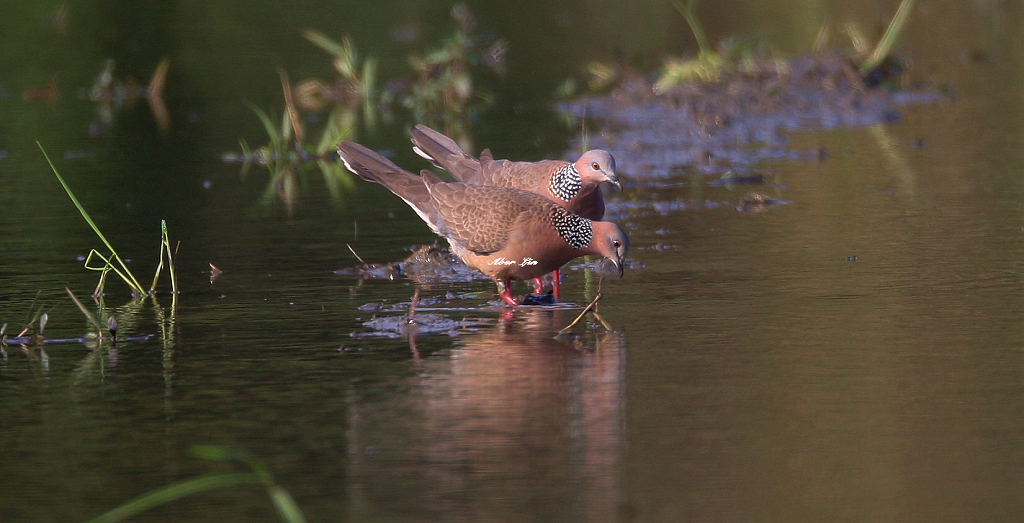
(566, 183)
(577, 231)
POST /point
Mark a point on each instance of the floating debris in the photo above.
(731, 178)
(422, 324)
(373, 271)
(757, 202)
(427, 264)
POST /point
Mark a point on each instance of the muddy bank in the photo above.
(741, 119)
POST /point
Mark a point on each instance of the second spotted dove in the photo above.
(507, 234)
(575, 186)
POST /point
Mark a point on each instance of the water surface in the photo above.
(852, 355)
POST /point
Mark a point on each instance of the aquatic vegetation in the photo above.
(109, 260)
(288, 154)
(687, 122)
(709, 65)
(102, 322)
(884, 45)
(354, 87)
(288, 160)
(111, 93)
(111, 322)
(30, 330)
(877, 66)
(440, 89)
(113, 262)
(705, 67)
(33, 336)
(258, 474)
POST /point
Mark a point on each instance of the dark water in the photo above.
(854, 355)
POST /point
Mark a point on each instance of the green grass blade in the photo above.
(127, 276)
(88, 314)
(159, 269)
(108, 265)
(220, 453)
(268, 126)
(33, 314)
(283, 501)
(74, 200)
(695, 25)
(889, 38)
(285, 504)
(165, 251)
(323, 42)
(166, 239)
(369, 92)
(177, 491)
(340, 123)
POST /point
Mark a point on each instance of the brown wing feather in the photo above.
(481, 218)
(528, 176)
(445, 153)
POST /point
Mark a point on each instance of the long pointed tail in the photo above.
(369, 165)
(375, 168)
(444, 152)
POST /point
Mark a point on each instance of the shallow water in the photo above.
(853, 354)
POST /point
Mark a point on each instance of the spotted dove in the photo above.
(507, 234)
(576, 186)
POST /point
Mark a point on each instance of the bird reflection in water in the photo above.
(508, 421)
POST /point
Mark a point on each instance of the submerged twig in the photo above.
(412, 306)
(353, 251)
(604, 324)
(580, 317)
